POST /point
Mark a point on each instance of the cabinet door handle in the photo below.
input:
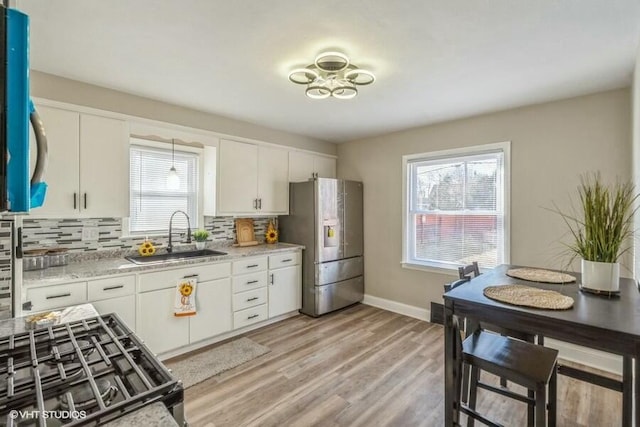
(271, 279)
(252, 266)
(110, 288)
(253, 316)
(259, 203)
(85, 200)
(251, 282)
(58, 296)
(252, 299)
(287, 260)
(255, 203)
(75, 201)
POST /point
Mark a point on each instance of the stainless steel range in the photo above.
(85, 372)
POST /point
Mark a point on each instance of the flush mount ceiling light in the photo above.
(331, 75)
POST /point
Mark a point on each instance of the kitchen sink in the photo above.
(174, 256)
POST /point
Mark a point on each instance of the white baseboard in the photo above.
(397, 307)
(583, 355)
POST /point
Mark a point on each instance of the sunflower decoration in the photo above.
(186, 289)
(146, 248)
(271, 236)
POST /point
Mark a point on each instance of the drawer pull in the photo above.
(58, 296)
(252, 299)
(287, 260)
(253, 316)
(252, 266)
(251, 282)
(110, 288)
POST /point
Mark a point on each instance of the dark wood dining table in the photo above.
(606, 323)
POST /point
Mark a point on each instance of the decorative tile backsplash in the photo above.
(67, 233)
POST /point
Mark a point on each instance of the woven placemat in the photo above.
(527, 296)
(538, 275)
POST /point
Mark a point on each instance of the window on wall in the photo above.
(456, 207)
(151, 202)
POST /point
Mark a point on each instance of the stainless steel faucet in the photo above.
(170, 245)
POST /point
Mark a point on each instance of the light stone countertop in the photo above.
(94, 265)
(154, 415)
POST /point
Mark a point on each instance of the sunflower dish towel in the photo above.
(185, 303)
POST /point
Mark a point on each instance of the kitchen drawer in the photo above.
(111, 287)
(248, 299)
(250, 265)
(246, 282)
(284, 260)
(57, 296)
(168, 278)
(249, 316)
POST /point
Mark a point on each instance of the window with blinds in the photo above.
(151, 203)
(456, 208)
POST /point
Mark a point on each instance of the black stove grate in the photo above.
(44, 367)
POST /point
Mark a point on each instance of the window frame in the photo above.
(446, 268)
(198, 220)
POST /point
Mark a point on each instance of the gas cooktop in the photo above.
(86, 372)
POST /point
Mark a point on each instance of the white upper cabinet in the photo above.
(303, 166)
(273, 180)
(252, 179)
(88, 165)
(104, 166)
(63, 162)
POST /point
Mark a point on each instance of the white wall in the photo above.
(74, 92)
(551, 145)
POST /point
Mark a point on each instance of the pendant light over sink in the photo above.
(173, 180)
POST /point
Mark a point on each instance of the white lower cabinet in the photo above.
(115, 295)
(285, 290)
(124, 307)
(157, 326)
(213, 303)
(230, 295)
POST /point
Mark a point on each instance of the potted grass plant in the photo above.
(602, 230)
(200, 236)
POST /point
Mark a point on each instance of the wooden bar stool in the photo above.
(529, 365)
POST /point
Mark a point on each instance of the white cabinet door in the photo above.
(213, 304)
(324, 167)
(104, 167)
(303, 166)
(157, 325)
(62, 172)
(124, 307)
(273, 180)
(238, 177)
(300, 166)
(285, 293)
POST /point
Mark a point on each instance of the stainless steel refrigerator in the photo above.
(325, 215)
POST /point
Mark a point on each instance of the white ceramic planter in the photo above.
(200, 245)
(601, 276)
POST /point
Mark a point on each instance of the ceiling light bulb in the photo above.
(173, 180)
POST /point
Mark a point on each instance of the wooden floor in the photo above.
(362, 367)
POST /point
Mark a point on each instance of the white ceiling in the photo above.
(435, 60)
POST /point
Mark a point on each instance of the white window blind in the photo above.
(151, 203)
(456, 209)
